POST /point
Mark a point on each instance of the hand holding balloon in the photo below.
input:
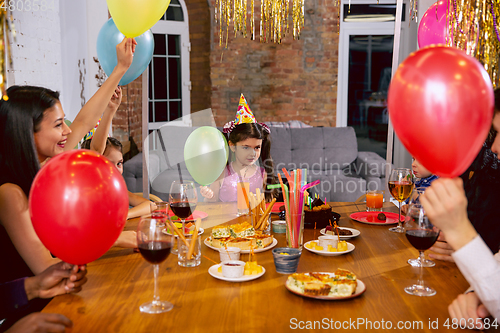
(134, 54)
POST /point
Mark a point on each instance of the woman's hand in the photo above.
(41, 322)
(127, 239)
(115, 100)
(206, 192)
(446, 206)
(404, 209)
(58, 279)
(468, 307)
(125, 53)
(441, 250)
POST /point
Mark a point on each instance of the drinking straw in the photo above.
(180, 174)
(284, 190)
(193, 239)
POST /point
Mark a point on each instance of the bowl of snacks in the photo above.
(286, 259)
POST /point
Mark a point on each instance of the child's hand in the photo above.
(125, 53)
(115, 100)
(404, 209)
(127, 239)
(206, 192)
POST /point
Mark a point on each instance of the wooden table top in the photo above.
(122, 280)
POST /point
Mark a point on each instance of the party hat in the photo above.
(244, 114)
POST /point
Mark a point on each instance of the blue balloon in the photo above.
(109, 36)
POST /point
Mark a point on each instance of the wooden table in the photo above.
(122, 280)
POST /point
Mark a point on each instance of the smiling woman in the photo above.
(32, 129)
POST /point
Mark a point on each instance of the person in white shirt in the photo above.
(445, 204)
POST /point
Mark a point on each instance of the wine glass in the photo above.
(400, 186)
(183, 200)
(422, 235)
(154, 245)
(415, 195)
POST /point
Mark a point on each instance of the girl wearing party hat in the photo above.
(250, 146)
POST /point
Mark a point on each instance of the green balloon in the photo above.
(205, 154)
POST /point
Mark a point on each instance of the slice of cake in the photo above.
(220, 232)
(242, 230)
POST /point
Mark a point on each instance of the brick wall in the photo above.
(199, 35)
(295, 80)
(128, 117)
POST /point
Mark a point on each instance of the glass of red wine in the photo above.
(400, 186)
(422, 235)
(154, 246)
(420, 261)
(183, 200)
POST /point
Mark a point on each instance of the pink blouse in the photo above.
(227, 192)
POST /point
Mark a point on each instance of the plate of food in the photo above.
(343, 247)
(379, 218)
(345, 233)
(250, 274)
(189, 229)
(197, 214)
(242, 236)
(326, 286)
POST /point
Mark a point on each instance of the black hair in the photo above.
(21, 112)
(110, 142)
(245, 131)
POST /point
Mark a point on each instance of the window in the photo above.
(169, 84)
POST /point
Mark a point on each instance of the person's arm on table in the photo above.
(41, 322)
(141, 206)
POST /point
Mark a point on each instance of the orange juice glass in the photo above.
(374, 201)
(243, 203)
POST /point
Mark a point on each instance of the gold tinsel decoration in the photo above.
(275, 16)
(474, 28)
(6, 26)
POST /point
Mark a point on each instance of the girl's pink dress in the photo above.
(227, 190)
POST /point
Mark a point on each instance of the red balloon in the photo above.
(78, 205)
(441, 106)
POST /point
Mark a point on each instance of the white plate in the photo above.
(350, 248)
(201, 231)
(360, 289)
(215, 273)
(260, 249)
(355, 233)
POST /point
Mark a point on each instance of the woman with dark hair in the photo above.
(32, 130)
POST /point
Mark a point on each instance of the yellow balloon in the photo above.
(135, 17)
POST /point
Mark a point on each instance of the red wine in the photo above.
(155, 252)
(421, 239)
(183, 209)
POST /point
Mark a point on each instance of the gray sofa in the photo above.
(329, 153)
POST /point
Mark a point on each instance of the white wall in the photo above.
(50, 45)
(73, 20)
(37, 50)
